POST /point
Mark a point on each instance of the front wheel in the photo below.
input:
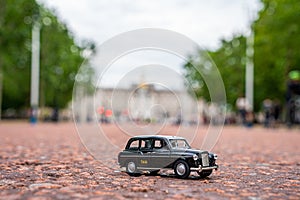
(205, 173)
(131, 169)
(182, 169)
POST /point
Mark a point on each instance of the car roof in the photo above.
(157, 136)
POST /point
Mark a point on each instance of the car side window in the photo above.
(160, 144)
(134, 145)
(146, 144)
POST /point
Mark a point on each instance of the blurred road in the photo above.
(48, 161)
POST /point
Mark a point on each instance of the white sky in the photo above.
(205, 22)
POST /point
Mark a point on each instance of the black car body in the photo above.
(152, 153)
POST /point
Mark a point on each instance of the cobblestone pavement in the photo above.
(48, 161)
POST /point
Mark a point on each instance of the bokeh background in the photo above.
(254, 44)
(51, 147)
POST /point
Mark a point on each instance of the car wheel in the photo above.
(182, 169)
(205, 173)
(131, 169)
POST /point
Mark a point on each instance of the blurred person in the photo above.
(178, 119)
(242, 105)
(268, 112)
(213, 113)
(205, 118)
(55, 114)
(276, 111)
(293, 98)
(33, 115)
(249, 119)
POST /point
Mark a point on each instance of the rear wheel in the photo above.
(205, 173)
(131, 169)
(182, 169)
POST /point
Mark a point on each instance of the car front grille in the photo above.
(205, 161)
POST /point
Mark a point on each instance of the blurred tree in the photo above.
(276, 52)
(60, 56)
(277, 42)
(230, 60)
(15, 47)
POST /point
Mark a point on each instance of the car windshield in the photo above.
(179, 144)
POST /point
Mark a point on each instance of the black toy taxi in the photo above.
(152, 153)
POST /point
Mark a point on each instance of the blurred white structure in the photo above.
(141, 102)
(35, 71)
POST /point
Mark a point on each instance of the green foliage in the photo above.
(60, 59)
(15, 51)
(60, 56)
(277, 52)
(230, 61)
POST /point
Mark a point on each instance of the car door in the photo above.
(145, 153)
(160, 156)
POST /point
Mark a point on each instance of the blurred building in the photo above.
(140, 102)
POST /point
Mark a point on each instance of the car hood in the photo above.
(189, 151)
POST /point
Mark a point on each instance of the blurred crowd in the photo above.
(273, 112)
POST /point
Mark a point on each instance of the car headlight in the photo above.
(215, 156)
(195, 157)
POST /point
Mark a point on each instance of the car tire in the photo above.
(205, 173)
(131, 169)
(182, 169)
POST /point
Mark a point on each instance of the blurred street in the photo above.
(48, 161)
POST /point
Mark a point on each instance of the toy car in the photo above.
(152, 153)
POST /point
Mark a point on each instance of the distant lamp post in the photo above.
(249, 73)
(35, 72)
(250, 70)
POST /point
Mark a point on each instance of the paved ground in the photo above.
(48, 161)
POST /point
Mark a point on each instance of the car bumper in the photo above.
(200, 168)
